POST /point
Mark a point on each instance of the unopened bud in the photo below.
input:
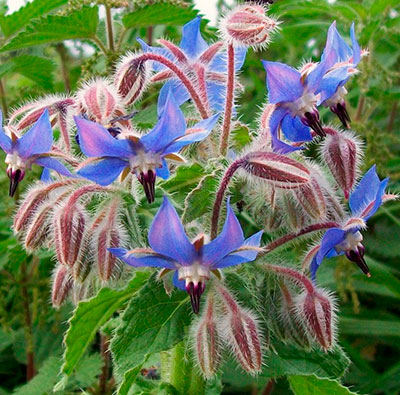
(316, 310)
(341, 152)
(294, 214)
(278, 170)
(79, 292)
(248, 26)
(207, 341)
(131, 77)
(99, 100)
(69, 225)
(62, 284)
(240, 331)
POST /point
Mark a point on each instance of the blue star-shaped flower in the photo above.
(196, 58)
(192, 263)
(364, 201)
(342, 63)
(145, 156)
(296, 99)
(33, 147)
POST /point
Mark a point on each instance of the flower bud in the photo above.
(240, 331)
(207, 341)
(99, 100)
(131, 77)
(294, 214)
(62, 284)
(69, 225)
(316, 310)
(248, 26)
(341, 152)
(278, 170)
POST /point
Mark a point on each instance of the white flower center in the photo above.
(350, 243)
(338, 97)
(143, 161)
(306, 103)
(15, 162)
(195, 273)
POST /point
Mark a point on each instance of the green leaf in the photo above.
(366, 327)
(89, 316)
(129, 380)
(152, 322)
(55, 28)
(11, 24)
(312, 385)
(159, 14)
(36, 68)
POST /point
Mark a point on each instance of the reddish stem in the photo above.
(230, 85)
(105, 353)
(220, 194)
(180, 74)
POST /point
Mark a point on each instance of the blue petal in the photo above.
(356, 46)
(336, 44)
(205, 127)
(38, 139)
(283, 82)
(95, 140)
(138, 260)
(295, 130)
(5, 142)
(46, 176)
(219, 63)
(53, 164)
(156, 66)
(216, 95)
(332, 238)
(237, 258)
(230, 239)
(103, 172)
(378, 199)
(170, 126)
(192, 43)
(365, 192)
(181, 284)
(177, 89)
(167, 236)
(332, 81)
(314, 78)
(163, 171)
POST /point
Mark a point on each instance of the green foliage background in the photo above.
(34, 60)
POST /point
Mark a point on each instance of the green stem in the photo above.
(3, 99)
(109, 26)
(100, 44)
(62, 52)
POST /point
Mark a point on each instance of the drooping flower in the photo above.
(203, 64)
(192, 262)
(145, 156)
(33, 147)
(364, 201)
(296, 98)
(342, 62)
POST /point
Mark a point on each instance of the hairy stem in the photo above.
(291, 236)
(230, 87)
(3, 99)
(62, 52)
(150, 35)
(98, 42)
(180, 74)
(121, 38)
(30, 354)
(105, 354)
(109, 26)
(220, 194)
(392, 116)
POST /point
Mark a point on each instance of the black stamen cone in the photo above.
(14, 181)
(340, 110)
(312, 120)
(148, 181)
(195, 292)
(358, 258)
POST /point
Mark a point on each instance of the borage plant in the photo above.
(251, 307)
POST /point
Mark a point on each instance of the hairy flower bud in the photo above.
(62, 284)
(99, 100)
(206, 341)
(248, 26)
(341, 152)
(316, 310)
(294, 214)
(69, 225)
(278, 170)
(240, 331)
(131, 77)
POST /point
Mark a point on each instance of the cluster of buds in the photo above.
(225, 322)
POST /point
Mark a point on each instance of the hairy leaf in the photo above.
(313, 385)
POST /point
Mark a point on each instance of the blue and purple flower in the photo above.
(203, 63)
(145, 156)
(364, 201)
(342, 62)
(33, 147)
(192, 262)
